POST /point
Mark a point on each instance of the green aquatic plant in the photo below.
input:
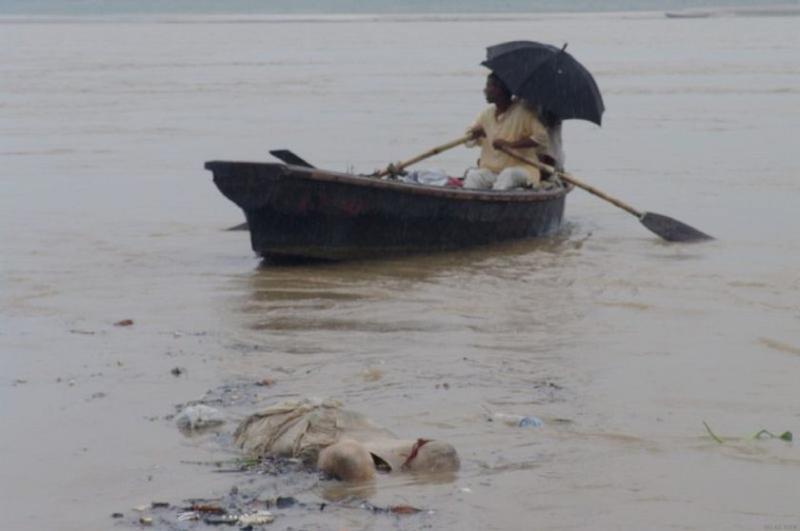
(713, 435)
(764, 434)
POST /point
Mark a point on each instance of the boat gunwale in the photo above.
(315, 174)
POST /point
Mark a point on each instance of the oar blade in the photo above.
(671, 229)
(289, 157)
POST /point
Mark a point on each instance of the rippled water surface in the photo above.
(621, 343)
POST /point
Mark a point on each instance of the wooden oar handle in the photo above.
(570, 179)
(431, 152)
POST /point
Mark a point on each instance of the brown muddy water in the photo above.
(622, 344)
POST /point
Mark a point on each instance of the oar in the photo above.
(393, 168)
(664, 226)
(289, 157)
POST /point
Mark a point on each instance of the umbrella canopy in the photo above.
(547, 76)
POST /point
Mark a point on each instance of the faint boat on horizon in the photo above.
(745, 11)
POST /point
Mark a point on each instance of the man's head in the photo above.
(495, 90)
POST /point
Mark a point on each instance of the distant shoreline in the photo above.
(768, 11)
(277, 18)
(233, 18)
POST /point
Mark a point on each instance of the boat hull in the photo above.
(295, 212)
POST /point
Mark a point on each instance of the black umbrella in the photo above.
(547, 76)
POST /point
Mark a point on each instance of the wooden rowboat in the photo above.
(297, 212)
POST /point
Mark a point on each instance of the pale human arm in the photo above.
(522, 143)
(477, 131)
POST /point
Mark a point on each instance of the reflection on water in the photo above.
(385, 296)
(314, 293)
(767, 452)
(344, 325)
(338, 491)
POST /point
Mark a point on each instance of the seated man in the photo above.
(342, 443)
(510, 123)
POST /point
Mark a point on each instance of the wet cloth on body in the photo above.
(303, 428)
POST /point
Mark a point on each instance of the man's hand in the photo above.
(499, 144)
(477, 132)
(522, 143)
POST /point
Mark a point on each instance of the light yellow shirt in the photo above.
(518, 122)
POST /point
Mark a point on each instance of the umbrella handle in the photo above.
(392, 168)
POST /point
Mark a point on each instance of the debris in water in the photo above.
(226, 519)
(266, 382)
(372, 374)
(146, 520)
(117, 515)
(198, 417)
(282, 502)
(547, 385)
(207, 509)
(517, 421)
(188, 516)
(764, 434)
(159, 505)
(548, 391)
(232, 394)
(124, 322)
(404, 509)
(394, 509)
(713, 436)
(177, 371)
(530, 422)
(256, 518)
